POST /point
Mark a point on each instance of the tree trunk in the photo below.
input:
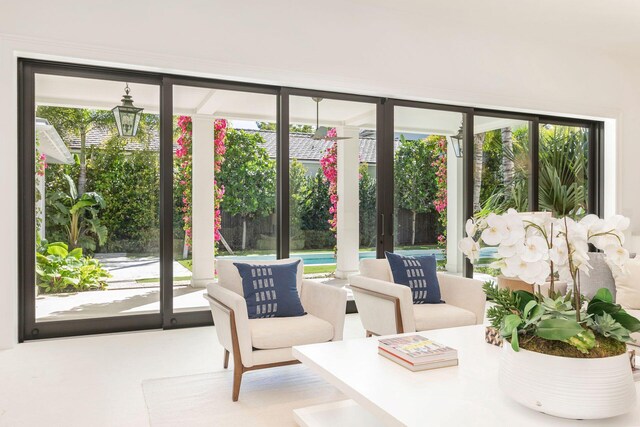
(244, 233)
(508, 169)
(478, 142)
(413, 228)
(82, 178)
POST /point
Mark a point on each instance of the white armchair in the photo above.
(387, 308)
(266, 343)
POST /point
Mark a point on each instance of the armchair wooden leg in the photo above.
(226, 358)
(237, 379)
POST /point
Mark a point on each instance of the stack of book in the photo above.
(417, 353)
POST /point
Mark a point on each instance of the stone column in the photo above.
(348, 240)
(455, 229)
(202, 243)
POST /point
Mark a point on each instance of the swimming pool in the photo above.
(323, 258)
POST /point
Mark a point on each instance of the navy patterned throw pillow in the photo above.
(270, 290)
(419, 273)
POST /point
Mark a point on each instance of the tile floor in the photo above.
(96, 380)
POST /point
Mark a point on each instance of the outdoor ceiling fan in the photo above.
(322, 131)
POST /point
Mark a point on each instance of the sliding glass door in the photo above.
(427, 181)
(332, 184)
(133, 184)
(224, 185)
(90, 205)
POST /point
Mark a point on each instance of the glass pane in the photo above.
(224, 185)
(97, 212)
(332, 185)
(428, 185)
(501, 172)
(563, 181)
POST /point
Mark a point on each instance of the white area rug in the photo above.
(267, 398)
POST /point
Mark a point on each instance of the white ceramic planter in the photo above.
(568, 387)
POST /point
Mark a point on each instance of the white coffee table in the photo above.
(384, 393)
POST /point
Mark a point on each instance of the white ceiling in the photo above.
(102, 94)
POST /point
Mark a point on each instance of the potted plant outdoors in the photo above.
(565, 357)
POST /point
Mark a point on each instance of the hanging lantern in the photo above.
(457, 141)
(127, 116)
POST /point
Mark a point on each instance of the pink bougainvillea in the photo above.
(220, 135)
(41, 163)
(329, 164)
(185, 169)
(440, 203)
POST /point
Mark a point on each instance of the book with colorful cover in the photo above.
(417, 349)
(418, 367)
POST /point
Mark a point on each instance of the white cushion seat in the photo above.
(387, 308)
(284, 332)
(439, 316)
(265, 343)
(628, 292)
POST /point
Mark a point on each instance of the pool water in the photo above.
(323, 258)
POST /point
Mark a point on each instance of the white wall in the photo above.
(530, 55)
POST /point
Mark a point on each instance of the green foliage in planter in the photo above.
(523, 317)
(60, 270)
(506, 302)
(603, 347)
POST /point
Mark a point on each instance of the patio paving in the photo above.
(126, 271)
(121, 302)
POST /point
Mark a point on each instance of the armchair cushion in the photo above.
(439, 316)
(628, 286)
(229, 278)
(270, 290)
(418, 273)
(279, 332)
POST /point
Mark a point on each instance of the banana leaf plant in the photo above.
(78, 214)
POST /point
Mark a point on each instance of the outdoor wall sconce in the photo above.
(127, 116)
(457, 142)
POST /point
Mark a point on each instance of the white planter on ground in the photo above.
(568, 387)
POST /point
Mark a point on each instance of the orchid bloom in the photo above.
(533, 246)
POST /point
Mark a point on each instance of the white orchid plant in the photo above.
(537, 248)
(534, 247)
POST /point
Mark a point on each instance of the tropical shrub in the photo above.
(129, 183)
(78, 215)
(60, 270)
(315, 205)
(298, 189)
(563, 171)
(367, 189)
(248, 177)
(415, 178)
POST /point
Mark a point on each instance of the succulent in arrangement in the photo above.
(539, 323)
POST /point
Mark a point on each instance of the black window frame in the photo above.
(166, 318)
